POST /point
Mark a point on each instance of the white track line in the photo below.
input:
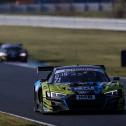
(20, 65)
(28, 119)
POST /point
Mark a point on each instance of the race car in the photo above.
(77, 88)
(13, 52)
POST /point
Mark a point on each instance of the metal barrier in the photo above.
(64, 22)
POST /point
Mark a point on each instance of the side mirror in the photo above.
(116, 78)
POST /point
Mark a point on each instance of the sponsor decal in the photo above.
(85, 97)
(78, 69)
(84, 88)
(83, 92)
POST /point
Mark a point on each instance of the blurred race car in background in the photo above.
(77, 88)
(13, 52)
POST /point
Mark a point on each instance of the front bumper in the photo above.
(16, 58)
(101, 103)
(13, 58)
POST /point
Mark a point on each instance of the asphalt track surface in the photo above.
(16, 96)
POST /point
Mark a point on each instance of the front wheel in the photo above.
(35, 103)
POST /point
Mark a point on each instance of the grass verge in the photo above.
(6, 120)
(66, 46)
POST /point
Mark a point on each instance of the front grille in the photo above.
(85, 104)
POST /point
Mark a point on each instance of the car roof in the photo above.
(10, 45)
(93, 67)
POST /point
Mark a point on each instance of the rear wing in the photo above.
(45, 68)
(44, 72)
(102, 67)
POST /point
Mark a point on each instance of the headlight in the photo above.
(3, 54)
(55, 95)
(23, 54)
(111, 93)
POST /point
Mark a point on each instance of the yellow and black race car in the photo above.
(78, 87)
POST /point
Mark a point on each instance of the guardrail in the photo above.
(64, 22)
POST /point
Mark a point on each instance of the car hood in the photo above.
(97, 87)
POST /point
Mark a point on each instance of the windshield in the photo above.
(16, 49)
(79, 77)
